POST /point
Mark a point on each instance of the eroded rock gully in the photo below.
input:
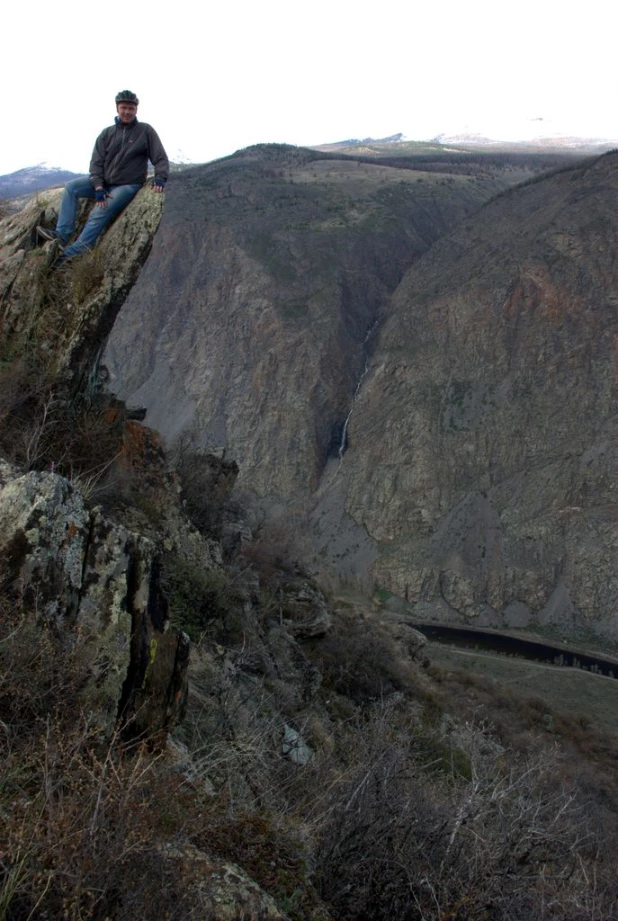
(250, 322)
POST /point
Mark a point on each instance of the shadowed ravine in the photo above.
(507, 644)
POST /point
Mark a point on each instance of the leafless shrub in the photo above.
(28, 412)
(206, 481)
(40, 673)
(83, 824)
(278, 552)
(42, 429)
(508, 843)
(80, 832)
(360, 661)
(203, 600)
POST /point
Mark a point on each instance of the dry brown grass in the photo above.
(78, 829)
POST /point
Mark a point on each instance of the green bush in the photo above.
(197, 597)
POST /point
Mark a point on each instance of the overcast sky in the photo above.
(215, 78)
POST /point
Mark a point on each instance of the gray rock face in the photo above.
(221, 890)
(294, 747)
(44, 527)
(82, 573)
(483, 443)
(478, 478)
(304, 610)
(480, 463)
(252, 319)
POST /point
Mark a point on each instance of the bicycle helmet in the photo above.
(127, 96)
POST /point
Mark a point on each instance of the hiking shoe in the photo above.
(46, 234)
(59, 262)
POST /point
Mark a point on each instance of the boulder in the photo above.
(221, 890)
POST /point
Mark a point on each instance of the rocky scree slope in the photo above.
(482, 453)
(253, 319)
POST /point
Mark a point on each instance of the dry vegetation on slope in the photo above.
(428, 795)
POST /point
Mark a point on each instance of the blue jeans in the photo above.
(120, 196)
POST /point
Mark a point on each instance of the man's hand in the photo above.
(100, 195)
(158, 186)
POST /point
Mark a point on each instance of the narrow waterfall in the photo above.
(344, 433)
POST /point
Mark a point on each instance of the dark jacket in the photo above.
(121, 154)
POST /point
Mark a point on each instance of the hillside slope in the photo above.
(482, 454)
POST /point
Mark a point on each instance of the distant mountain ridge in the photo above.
(475, 140)
(37, 178)
(357, 142)
(43, 176)
(552, 142)
(32, 179)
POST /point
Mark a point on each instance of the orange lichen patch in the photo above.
(72, 530)
(141, 446)
(112, 415)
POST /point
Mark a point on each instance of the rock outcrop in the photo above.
(67, 316)
(88, 574)
(220, 889)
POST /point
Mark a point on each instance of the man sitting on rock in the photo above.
(118, 170)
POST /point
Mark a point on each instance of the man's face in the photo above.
(126, 112)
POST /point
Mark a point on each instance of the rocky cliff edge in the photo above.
(85, 573)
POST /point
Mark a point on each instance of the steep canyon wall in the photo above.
(479, 473)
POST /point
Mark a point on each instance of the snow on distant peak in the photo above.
(180, 158)
(39, 169)
(48, 167)
(538, 131)
(43, 169)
